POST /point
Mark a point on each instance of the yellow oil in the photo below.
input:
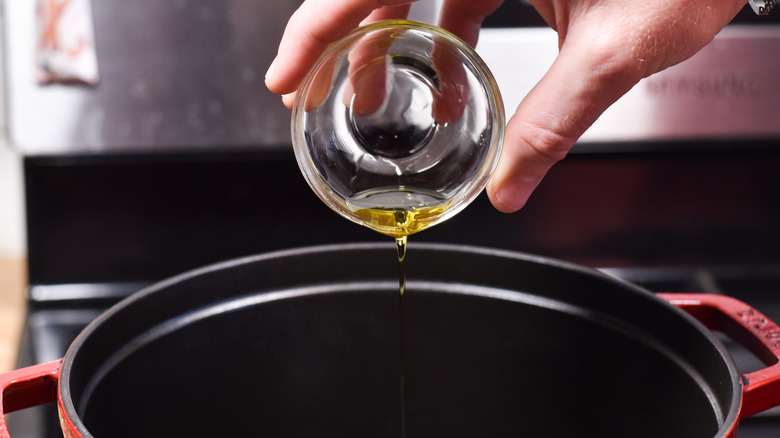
(399, 223)
(401, 251)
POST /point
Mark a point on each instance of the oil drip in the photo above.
(401, 248)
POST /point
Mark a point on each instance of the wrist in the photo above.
(762, 7)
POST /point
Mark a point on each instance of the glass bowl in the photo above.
(398, 126)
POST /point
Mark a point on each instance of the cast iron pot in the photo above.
(305, 343)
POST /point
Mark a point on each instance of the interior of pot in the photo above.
(306, 344)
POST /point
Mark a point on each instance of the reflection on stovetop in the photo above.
(49, 331)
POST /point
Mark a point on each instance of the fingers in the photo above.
(582, 82)
(365, 92)
(596, 65)
(387, 13)
(607, 46)
(318, 23)
(452, 95)
(315, 25)
(464, 17)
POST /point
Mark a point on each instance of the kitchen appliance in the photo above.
(179, 158)
(304, 343)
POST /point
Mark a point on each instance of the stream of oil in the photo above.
(401, 248)
(399, 224)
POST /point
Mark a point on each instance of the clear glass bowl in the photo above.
(398, 126)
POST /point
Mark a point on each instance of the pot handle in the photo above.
(27, 387)
(749, 327)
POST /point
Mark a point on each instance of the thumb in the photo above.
(581, 83)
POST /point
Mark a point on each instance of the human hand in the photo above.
(374, 89)
(606, 47)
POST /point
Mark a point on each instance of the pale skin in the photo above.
(606, 47)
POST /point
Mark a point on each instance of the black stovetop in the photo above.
(99, 226)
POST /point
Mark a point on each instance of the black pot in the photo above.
(305, 343)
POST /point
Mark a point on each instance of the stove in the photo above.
(705, 222)
(149, 176)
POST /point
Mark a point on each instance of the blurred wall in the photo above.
(12, 240)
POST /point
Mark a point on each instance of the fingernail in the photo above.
(288, 100)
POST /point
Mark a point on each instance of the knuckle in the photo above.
(549, 144)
